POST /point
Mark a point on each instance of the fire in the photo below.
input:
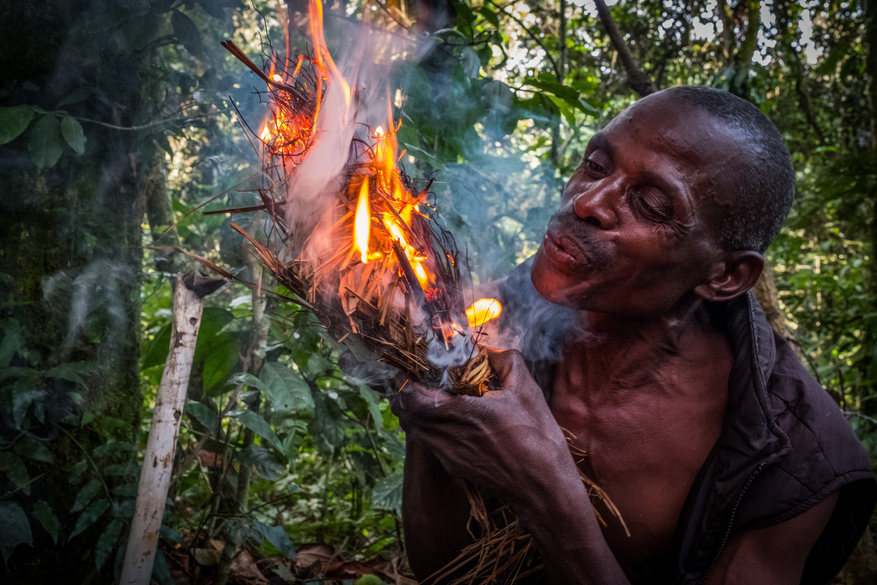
(482, 311)
(362, 226)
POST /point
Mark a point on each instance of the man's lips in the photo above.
(562, 252)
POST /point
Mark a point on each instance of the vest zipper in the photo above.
(731, 520)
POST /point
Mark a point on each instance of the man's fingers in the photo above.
(507, 364)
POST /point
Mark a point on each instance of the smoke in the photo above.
(96, 290)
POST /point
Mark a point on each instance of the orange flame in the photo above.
(362, 225)
(482, 311)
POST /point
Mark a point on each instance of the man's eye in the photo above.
(653, 206)
(595, 168)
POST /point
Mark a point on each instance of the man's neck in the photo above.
(633, 352)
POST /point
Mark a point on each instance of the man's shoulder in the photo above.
(824, 453)
(820, 436)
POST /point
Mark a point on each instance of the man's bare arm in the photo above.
(775, 555)
(435, 512)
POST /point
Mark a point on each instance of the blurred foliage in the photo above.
(499, 113)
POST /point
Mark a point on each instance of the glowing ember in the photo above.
(362, 226)
(482, 311)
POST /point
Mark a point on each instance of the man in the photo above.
(727, 462)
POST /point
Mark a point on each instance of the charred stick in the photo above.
(411, 278)
(242, 57)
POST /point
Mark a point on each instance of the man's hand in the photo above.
(505, 441)
(508, 443)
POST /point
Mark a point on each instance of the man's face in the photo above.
(632, 234)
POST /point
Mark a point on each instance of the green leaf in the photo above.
(14, 121)
(47, 518)
(368, 580)
(107, 542)
(71, 129)
(27, 447)
(286, 389)
(90, 516)
(463, 10)
(284, 573)
(374, 406)
(214, 9)
(23, 398)
(72, 371)
(161, 572)
(221, 361)
(113, 448)
(85, 495)
(470, 62)
(258, 425)
(14, 528)
(327, 426)
(131, 469)
(277, 536)
(266, 464)
(156, 349)
(249, 380)
(78, 469)
(204, 415)
(14, 468)
(46, 143)
(187, 33)
(76, 96)
(489, 15)
(387, 493)
(128, 490)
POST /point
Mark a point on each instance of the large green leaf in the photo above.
(72, 132)
(327, 426)
(47, 518)
(12, 465)
(221, 361)
(265, 463)
(286, 389)
(27, 447)
(14, 528)
(187, 33)
(204, 415)
(85, 495)
(90, 516)
(107, 542)
(277, 536)
(387, 493)
(156, 349)
(213, 320)
(13, 121)
(72, 371)
(46, 143)
(258, 425)
(113, 448)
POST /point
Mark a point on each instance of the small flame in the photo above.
(277, 78)
(362, 225)
(482, 311)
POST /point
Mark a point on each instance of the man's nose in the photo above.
(597, 206)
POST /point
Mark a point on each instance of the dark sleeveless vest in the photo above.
(784, 447)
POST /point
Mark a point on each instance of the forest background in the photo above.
(117, 132)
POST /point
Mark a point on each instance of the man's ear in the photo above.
(733, 276)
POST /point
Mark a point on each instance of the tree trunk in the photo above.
(70, 250)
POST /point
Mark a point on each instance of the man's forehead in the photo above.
(673, 127)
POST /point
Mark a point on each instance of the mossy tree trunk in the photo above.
(70, 250)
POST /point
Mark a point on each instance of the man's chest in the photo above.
(644, 452)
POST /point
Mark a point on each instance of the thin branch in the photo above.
(637, 79)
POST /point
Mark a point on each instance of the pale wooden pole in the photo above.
(158, 462)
